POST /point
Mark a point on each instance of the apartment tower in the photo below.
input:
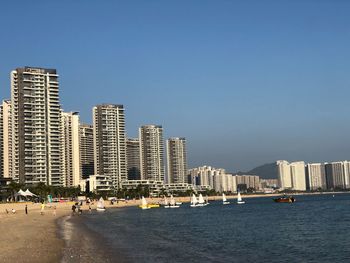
(284, 174)
(133, 158)
(152, 152)
(110, 142)
(86, 150)
(176, 160)
(316, 176)
(6, 128)
(36, 126)
(70, 148)
(1, 142)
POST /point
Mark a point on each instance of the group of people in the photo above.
(76, 208)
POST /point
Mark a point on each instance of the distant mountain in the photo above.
(265, 171)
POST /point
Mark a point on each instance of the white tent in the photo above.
(29, 193)
(21, 193)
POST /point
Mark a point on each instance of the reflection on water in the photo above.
(314, 229)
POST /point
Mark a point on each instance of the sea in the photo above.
(316, 228)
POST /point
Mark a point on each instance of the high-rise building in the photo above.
(346, 168)
(70, 148)
(335, 175)
(6, 125)
(298, 176)
(86, 150)
(316, 176)
(36, 126)
(133, 158)
(176, 159)
(1, 143)
(152, 152)
(110, 142)
(284, 174)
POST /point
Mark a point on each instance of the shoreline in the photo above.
(46, 238)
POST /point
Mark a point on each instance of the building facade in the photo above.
(70, 148)
(297, 170)
(335, 175)
(36, 117)
(316, 176)
(110, 142)
(133, 158)
(152, 153)
(177, 160)
(284, 175)
(6, 125)
(86, 146)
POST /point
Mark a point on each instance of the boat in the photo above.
(285, 199)
(206, 200)
(166, 203)
(101, 205)
(153, 205)
(144, 204)
(194, 201)
(173, 203)
(201, 201)
(224, 200)
(239, 199)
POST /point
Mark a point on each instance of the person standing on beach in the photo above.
(26, 210)
(42, 208)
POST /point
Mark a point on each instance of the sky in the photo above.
(246, 82)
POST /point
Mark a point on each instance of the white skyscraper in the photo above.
(316, 176)
(284, 174)
(1, 142)
(176, 159)
(152, 152)
(86, 145)
(298, 176)
(133, 158)
(346, 167)
(6, 138)
(70, 148)
(36, 116)
(110, 142)
(335, 175)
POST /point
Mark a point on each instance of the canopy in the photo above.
(29, 193)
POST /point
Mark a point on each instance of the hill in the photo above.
(265, 171)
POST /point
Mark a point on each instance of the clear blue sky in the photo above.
(246, 82)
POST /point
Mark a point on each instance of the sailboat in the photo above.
(194, 201)
(224, 200)
(166, 203)
(101, 205)
(206, 200)
(144, 204)
(173, 203)
(201, 201)
(239, 199)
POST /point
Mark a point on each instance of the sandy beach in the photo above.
(34, 237)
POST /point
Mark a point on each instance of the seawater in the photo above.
(313, 229)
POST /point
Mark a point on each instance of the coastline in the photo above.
(62, 237)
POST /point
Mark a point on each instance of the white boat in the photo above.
(166, 203)
(206, 200)
(144, 204)
(239, 199)
(224, 200)
(201, 201)
(194, 201)
(101, 205)
(173, 203)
